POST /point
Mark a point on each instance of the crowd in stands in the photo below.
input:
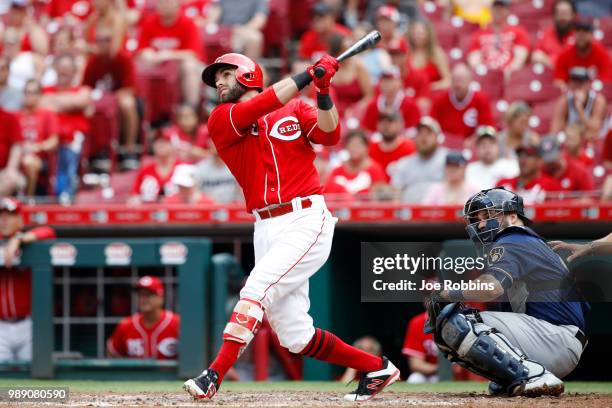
(457, 96)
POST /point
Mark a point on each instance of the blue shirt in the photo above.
(519, 255)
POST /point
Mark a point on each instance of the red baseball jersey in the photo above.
(418, 344)
(597, 61)
(534, 191)
(150, 185)
(132, 339)
(576, 177)
(10, 134)
(182, 35)
(497, 48)
(385, 157)
(312, 46)
(462, 118)
(16, 284)
(403, 103)
(273, 161)
(38, 126)
(341, 181)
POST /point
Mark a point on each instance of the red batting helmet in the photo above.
(248, 73)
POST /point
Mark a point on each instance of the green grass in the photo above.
(175, 386)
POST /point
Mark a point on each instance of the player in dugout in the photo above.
(16, 283)
(264, 136)
(538, 338)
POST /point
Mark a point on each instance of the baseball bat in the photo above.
(368, 41)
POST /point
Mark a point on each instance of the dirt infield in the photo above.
(305, 399)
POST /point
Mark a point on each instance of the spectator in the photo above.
(71, 13)
(587, 53)
(25, 65)
(30, 35)
(552, 40)
(169, 35)
(152, 332)
(454, 189)
(10, 97)
(359, 174)
(352, 83)
(574, 146)
(391, 143)
(387, 22)
(16, 283)
(606, 154)
(10, 154)
(412, 176)
(391, 99)
(499, 45)
(316, 41)
(155, 179)
(461, 110)
(516, 130)
(110, 70)
(189, 137)
(376, 59)
(40, 135)
(421, 351)
(490, 167)
(106, 15)
(415, 82)
(408, 9)
(580, 105)
(571, 175)
(64, 42)
(247, 19)
(184, 178)
(427, 56)
(368, 344)
(531, 183)
(72, 104)
(215, 180)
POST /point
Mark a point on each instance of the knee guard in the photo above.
(245, 321)
(466, 340)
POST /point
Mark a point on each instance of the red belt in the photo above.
(281, 209)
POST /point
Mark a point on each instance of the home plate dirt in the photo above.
(303, 399)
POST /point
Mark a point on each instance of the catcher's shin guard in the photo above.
(244, 322)
(466, 340)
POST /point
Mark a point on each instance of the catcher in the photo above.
(539, 337)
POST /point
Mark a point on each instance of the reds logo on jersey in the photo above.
(287, 128)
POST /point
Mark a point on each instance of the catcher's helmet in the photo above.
(248, 73)
(495, 201)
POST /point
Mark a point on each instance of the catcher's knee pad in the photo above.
(485, 351)
(245, 321)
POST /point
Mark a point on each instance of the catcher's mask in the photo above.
(487, 206)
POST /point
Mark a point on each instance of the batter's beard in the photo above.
(233, 94)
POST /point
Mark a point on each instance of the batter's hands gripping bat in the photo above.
(368, 41)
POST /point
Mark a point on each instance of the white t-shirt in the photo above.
(485, 176)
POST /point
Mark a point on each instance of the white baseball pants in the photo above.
(16, 340)
(289, 249)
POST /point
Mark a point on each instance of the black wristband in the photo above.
(324, 101)
(302, 80)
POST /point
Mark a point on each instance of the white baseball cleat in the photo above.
(374, 382)
(545, 384)
(203, 386)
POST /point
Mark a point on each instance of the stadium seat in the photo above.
(534, 92)
(216, 43)
(104, 127)
(447, 35)
(541, 117)
(540, 9)
(157, 85)
(300, 16)
(529, 73)
(432, 11)
(491, 82)
(277, 31)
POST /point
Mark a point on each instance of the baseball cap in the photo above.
(430, 123)
(397, 46)
(390, 72)
(455, 157)
(389, 12)
(184, 176)
(321, 9)
(505, 3)
(10, 205)
(486, 131)
(152, 284)
(579, 74)
(19, 3)
(550, 149)
(529, 149)
(583, 23)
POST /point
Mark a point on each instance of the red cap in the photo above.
(389, 12)
(151, 283)
(10, 205)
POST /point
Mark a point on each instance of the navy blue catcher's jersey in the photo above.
(518, 254)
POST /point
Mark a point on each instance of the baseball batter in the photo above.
(538, 338)
(264, 137)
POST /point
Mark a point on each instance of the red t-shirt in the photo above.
(182, 35)
(195, 8)
(576, 177)
(274, 163)
(384, 158)
(38, 126)
(132, 339)
(341, 181)
(418, 344)
(109, 74)
(606, 153)
(69, 122)
(417, 84)
(312, 47)
(597, 61)
(407, 106)
(497, 48)
(16, 284)
(80, 9)
(549, 43)
(462, 118)
(534, 191)
(10, 134)
(150, 185)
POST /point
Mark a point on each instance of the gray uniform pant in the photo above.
(555, 347)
